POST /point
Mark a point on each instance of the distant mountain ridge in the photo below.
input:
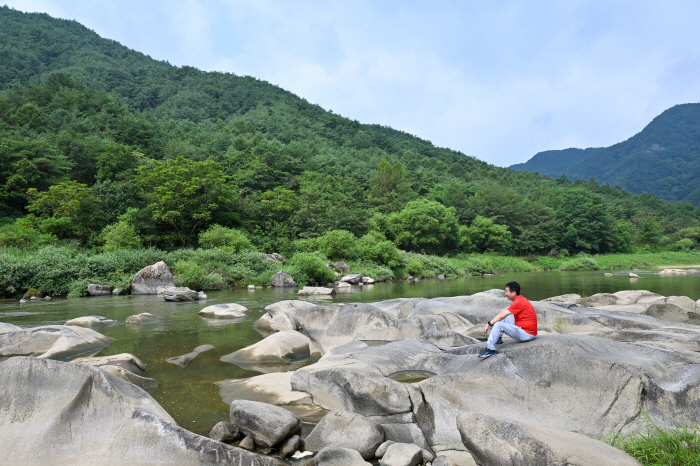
(663, 158)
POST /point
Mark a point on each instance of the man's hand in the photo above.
(486, 329)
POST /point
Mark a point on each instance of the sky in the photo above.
(497, 80)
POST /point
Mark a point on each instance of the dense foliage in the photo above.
(664, 158)
(106, 149)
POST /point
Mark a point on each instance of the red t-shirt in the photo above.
(524, 313)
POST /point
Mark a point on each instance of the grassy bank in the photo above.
(66, 270)
(658, 446)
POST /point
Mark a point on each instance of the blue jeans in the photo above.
(508, 327)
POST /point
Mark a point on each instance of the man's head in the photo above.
(512, 290)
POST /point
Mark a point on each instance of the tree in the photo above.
(60, 210)
(184, 193)
(116, 161)
(389, 188)
(483, 235)
(425, 225)
(221, 237)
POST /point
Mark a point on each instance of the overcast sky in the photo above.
(499, 80)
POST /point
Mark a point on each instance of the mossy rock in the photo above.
(33, 292)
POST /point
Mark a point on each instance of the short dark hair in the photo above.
(514, 286)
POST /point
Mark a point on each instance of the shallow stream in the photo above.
(189, 393)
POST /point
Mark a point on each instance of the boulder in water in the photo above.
(279, 347)
(185, 359)
(126, 361)
(92, 322)
(179, 294)
(53, 342)
(152, 277)
(224, 311)
(94, 289)
(283, 280)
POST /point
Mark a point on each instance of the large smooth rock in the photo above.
(316, 290)
(660, 309)
(341, 266)
(566, 298)
(498, 441)
(283, 280)
(279, 347)
(94, 418)
(274, 258)
(126, 361)
(180, 294)
(280, 315)
(633, 296)
(330, 327)
(353, 278)
(338, 456)
(274, 388)
(152, 277)
(268, 425)
(402, 454)
(346, 429)
(224, 311)
(53, 342)
(91, 322)
(8, 328)
(94, 289)
(185, 359)
(399, 307)
(601, 299)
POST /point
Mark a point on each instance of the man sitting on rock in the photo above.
(519, 321)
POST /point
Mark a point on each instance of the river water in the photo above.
(189, 393)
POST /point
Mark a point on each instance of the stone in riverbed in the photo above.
(495, 441)
(268, 425)
(565, 298)
(141, 319)
(283, 280)
(224, 432)
(382, 448)
(202, 296)
(224, 311)
(91, 322)
(402, 454)
(290, 445)
(152, 277)
(180, 294)
(124, 360)
(247, 443)
(119, 291)
(316, 290)
(95, 418)
(53, 342)
(185, 359)
(346, 429)
(279, 347)
(94, 289)
(146, 383)
(353, 279)
(338, 456)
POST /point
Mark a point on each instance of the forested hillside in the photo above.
(106, 148)
(664, 158)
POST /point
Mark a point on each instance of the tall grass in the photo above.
(631, 261)
(659, 446)
(479, 264)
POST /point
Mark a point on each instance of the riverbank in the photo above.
(67, 271)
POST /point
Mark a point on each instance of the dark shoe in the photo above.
(487, 352)
(500, 341)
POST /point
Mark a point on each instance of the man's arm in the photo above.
(500, 316)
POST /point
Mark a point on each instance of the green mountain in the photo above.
(664, 158)
(98, 140)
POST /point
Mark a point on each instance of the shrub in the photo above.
(20, 235)
(581, 262)
(337, 244)
(194, 276)
(415, 267)
(376, 248)
(221, 237)
(313, 266)
(306, 245)
(683, 245)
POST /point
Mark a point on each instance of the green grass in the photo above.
(659, 446)
(651, 259)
